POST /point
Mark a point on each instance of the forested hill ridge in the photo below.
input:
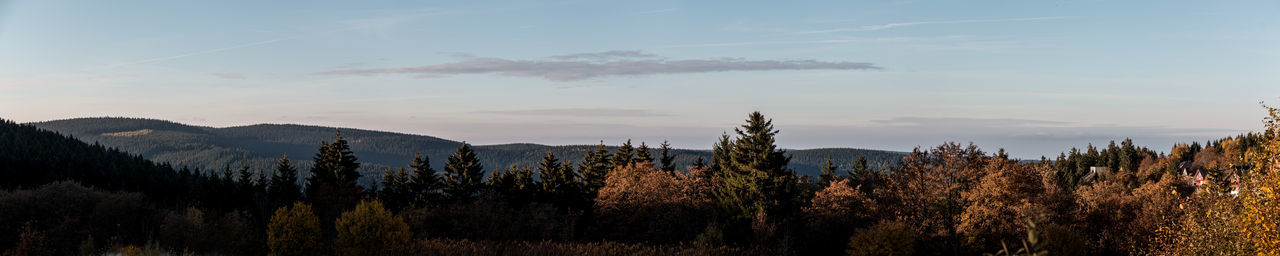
(210, 148)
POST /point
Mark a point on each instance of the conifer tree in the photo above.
(668, 160)
(244, 187)
(642, 154)
(283, 189)
(246, 176)
(861, 173)
(424, 182)
(721, 154)
(756, 180)
(595, 166)
(828, 173)
(515, 184)
(699, 163)
(396, 192)
(559, 183)
(227, 175)
(623, 156)
(332, 186)
(464, 175)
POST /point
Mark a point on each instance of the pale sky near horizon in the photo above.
(1034, 77)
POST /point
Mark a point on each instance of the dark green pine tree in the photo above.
(516, 185)
(828, 173)
(623, 156)
(642, 155)
(721, 154)
(227, 175)
(395, 192)
(245, 175)
(861, 174)
(699, 163)
(332, 187)
(244, 183)
(594, 168)
(558, 181)
(1001, 154)
(464, 175)
(283, 189)
(667, 159)
(424, 183)
(757, 179)
(859, 167)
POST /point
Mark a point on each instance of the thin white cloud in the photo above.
(967, 122)
(827, 41)
(908, 24)
(604, 64)
(592, 112)
(606, 55)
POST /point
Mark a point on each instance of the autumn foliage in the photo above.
(1216, 198)
(641, 203)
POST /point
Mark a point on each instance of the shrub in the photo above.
(430, 247)
(31, 242)
(294, 230)
(370, 229)
(885, 238)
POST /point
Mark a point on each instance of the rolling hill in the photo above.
(258, 146)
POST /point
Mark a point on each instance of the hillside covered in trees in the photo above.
(62, 196)
(259, 146)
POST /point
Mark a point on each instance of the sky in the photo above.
(1033, 77)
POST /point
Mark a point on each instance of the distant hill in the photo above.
(209, 148)
(31, 157)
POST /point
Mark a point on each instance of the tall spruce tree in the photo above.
(623, 156)
(594, 168)
(244, 188)
(667, 159)
(245, 176)
(861, 174)
(332, 186)
(859, 167)
(642, 154)
(721, 154)
(558, 182)
(464, 175)
(828, 173)
(395, 191)
(757, 180)
(283, 189)
(424, 183)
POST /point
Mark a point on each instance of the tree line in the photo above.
(951, 199)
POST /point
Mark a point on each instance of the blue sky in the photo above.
(1034, 77)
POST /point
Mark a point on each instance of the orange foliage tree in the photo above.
(835, 212)
(1242, 224)
(641, 203)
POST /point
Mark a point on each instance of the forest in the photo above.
(62, 196)
(259, 146)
